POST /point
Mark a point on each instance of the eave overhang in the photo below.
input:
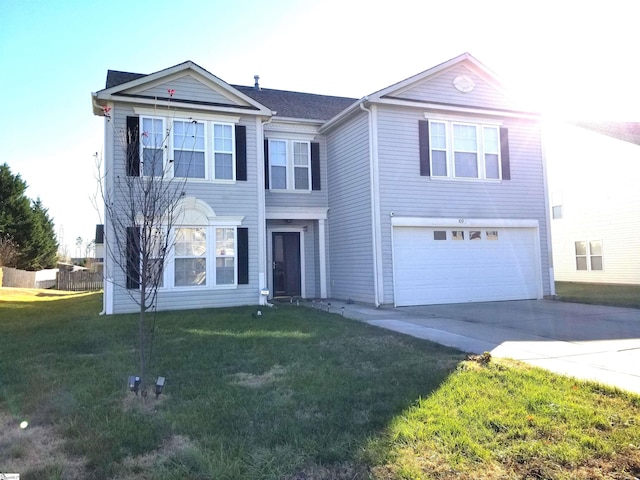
(117, 93)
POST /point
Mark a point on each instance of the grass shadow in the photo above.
(279, 396)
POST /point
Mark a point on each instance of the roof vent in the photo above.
(256, 85)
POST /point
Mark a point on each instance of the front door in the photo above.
(286, 264)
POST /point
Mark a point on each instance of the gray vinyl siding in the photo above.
(188, 88)
(311, 198)
(349, 220)
(405, 193)
(236, 199)
(440, 89)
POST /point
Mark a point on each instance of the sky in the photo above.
(568, 59)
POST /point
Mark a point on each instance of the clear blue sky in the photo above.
(573, 58)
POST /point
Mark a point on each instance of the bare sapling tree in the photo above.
(142, 205)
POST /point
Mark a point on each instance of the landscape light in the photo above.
(134, 383)
(160, 381)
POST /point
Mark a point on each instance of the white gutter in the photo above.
(459, 109)
(107, 189)
(547, 208)
(378, 283)
(263, 268)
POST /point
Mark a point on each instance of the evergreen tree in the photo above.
(27, 226)
(41, 249)
(15, 207)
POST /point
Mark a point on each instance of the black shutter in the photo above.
(133, 146)
(243, 256)
(504, 153)
(241, 152)
(315, 166)
(266, 164)
(133, 257)
(423, 139)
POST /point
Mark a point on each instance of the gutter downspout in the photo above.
(262, 212)
(547, 207)
(107, 188)
(376, 236)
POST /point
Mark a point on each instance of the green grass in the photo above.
(599, 294)
(294, 394)
(505, 420)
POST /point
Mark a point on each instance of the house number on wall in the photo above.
(461, 220)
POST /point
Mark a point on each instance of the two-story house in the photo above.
(595, 201)
(429, 191)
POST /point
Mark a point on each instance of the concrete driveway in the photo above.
(590, 342)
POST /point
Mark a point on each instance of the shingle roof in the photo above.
(627, 131)
(287, 104)
(297, 104)
(115, 77)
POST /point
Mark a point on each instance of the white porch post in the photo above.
(322, 258)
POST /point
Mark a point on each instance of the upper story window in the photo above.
(189, 148)
(223, 151)
(462, 150)
(153, 143)
(289, 165)
(556, 205)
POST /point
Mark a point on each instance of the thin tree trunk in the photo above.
(141, 334)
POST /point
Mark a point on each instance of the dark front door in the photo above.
(286, 264)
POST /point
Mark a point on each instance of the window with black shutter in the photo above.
(133, 146)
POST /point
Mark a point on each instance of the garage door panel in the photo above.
(429, 271)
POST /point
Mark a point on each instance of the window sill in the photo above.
(193, 180)
(297, 192)
(209, 181)
(197, 289)
(465, 180)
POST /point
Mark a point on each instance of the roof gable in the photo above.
(461, 81)
(185, 83)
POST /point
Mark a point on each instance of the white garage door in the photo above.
(456, 265)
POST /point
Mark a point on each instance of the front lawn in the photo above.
(294, 394)
(599, 294)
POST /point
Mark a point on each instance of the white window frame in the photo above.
(175, 147)
(210, 150)
(290, 166)
(175, 257)
(223, 255)
(215, 151)
(480, 152)
(210, 257)
(588, 256)
(144, 137)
